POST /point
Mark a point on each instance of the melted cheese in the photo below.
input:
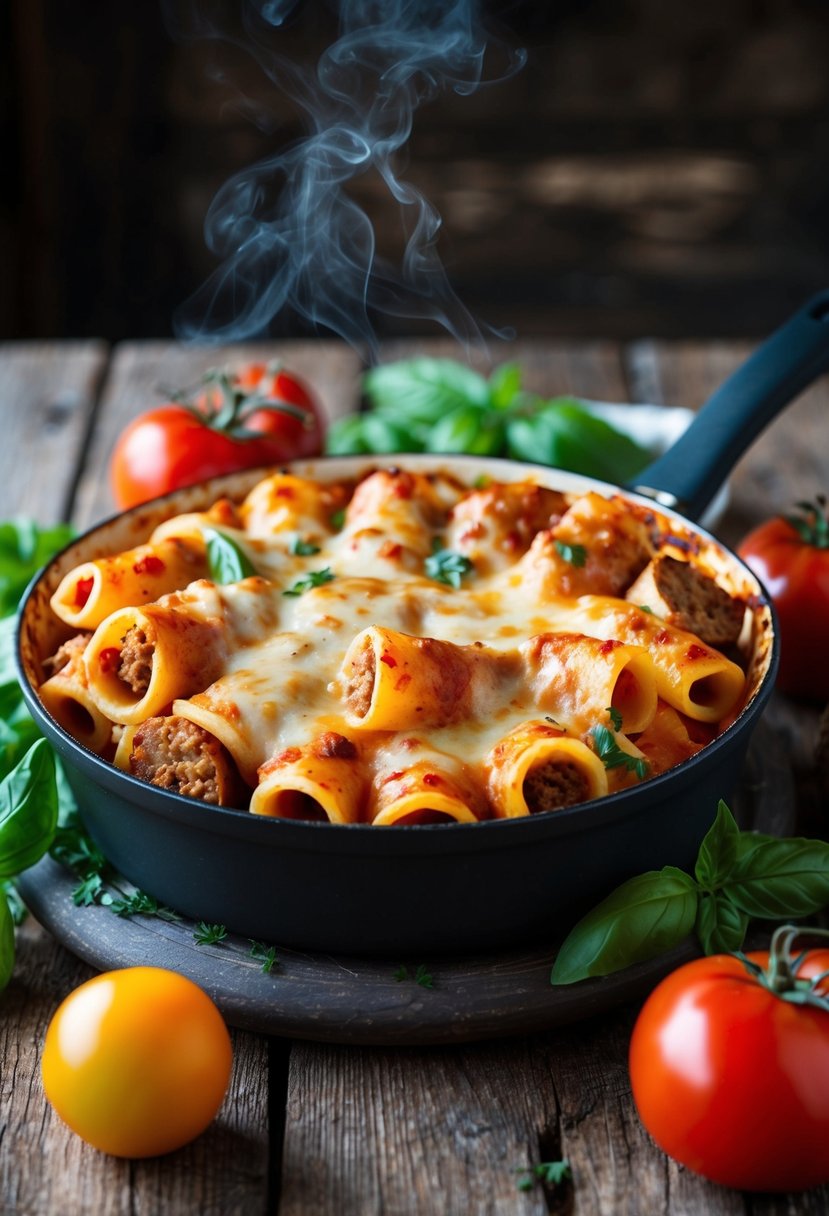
(276, 686)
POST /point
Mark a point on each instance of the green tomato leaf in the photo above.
(6, 942)
(424, 389)
(718, 851)
(28, 810)
(720, 925)
(467, 429)
(781, 879)
(639, 920)
(226, 561)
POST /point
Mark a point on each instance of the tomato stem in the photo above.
(222, 404)
(781, 976)
(811, 522)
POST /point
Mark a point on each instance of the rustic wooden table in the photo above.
(319, 1128)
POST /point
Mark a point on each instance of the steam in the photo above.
(286, 231)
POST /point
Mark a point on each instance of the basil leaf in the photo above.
(226, 561)
(424, 389)
(382, 434)
(345, 437)
(564, 434)
(718, 850)
(28, 810)
(24, 548)
(504, 386)
(467, 429)
(639, 920)
(720, 925)
(781, 879)
(6, 942)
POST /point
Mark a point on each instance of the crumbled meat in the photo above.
(360, 686)
(547, 787)
(136, 665)
(68, 652)
(331, 745)
(177, 755)
(691, 600)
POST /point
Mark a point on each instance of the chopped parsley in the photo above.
(446, 566)
(209, 935)
(576, 555)
(338, 519)
(548, 1173)
(266, 955)
(316, 578)
(421, 976)
(612, 756)
(302, 548)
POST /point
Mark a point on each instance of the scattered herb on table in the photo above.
(209, 935)
(421, 976)
(738, 876)
(442, 405)
(226, 560)
(548, 1173)
(264, 954)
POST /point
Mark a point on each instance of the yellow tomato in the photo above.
(137, 1061)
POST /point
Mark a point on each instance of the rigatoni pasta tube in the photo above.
(694, 678)
(393, 681)
(91, 591)
(416, 783)
(285, 503)
(577, 678)
(66, 696)
(323, 780)
(174, 754)
(538, 768)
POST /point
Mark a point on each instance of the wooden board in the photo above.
(355, 1000)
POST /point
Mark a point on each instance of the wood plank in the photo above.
(140, 372)
(49, 398)
(224, 1171)
(48, 392)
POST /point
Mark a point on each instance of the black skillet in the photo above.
(436, 889)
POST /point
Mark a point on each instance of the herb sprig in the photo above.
(737, 876)
(316, 578)
(227, 562)
(548, 1173)
(612, 755)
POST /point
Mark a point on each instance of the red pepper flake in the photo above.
(609, 646)
(662, 637)
(695, 651)
(289, 756)
(388, 659)
(284, 492)
(150, 564)
(390, 550)
(403, 682)
(403, 484)
(431, 779)
(394, 776)
(109, 659)
(83, 590)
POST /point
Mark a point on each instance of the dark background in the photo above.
(657, 168)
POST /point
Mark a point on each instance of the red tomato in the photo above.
(236, 420)
(731, 1079)
(791, 558)
(137, 1061)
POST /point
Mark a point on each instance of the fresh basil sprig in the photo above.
(447, 566)
(441, 405)
(737, 876)
(227, 562)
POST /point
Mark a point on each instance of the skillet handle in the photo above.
(689, 474)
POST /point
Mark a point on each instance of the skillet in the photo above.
(447, 889)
